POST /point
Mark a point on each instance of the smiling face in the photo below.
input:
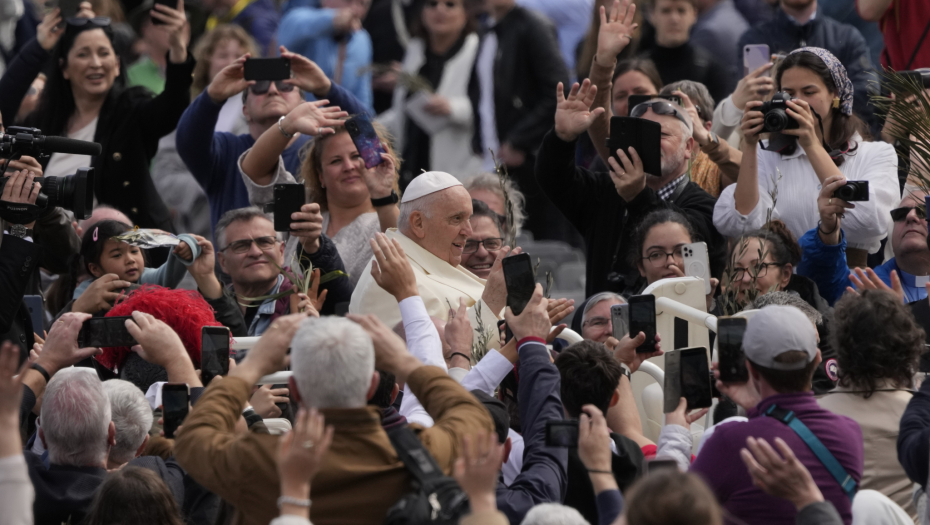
(343, 169)
(92, 65)
(805, 84)
(630, 83)
(252, 267)
(673, 20)
(226, 52)
(447, 228)
(597, 325)
(676, 148)
(770, 278)
(664, 238)
(479, 262)
(120, 258)
(910, 235)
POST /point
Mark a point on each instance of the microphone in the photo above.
(30, 141)
(66, 145)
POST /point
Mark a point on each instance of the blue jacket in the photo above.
(309, 32)
(213, 157)
(544, 476)
(784, 35)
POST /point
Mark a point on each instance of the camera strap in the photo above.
(19, 212)
(834, 153)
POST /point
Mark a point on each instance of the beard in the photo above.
(671, 163)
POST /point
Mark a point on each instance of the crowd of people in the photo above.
(379, 368)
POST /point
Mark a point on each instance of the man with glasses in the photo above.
(606, 207)
(250, 252)
(212, 157)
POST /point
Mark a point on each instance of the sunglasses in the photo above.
(900, 214)
(260, 87)
(99, 21)
(660, 107)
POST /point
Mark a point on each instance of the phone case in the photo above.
(643, 135)
(520, 281)
(696, 263)
(366, 140)
(672, 387)
(731, 362)
(620, 320)
(288, 198)
(266, 69)
(695, 378)
(171, 395)
(754, 57)
(69, 8)
(637, 325)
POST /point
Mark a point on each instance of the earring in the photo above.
(836, 102)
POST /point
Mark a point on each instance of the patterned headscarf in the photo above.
(844, 87)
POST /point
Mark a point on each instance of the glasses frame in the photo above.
(920, 211)
(662, 104)
(251, 242)
(762, 270)
(278, 84)
(482, 243)
(659, 263)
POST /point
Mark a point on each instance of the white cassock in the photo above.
(440, 285)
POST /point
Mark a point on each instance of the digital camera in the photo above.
(775, 114)
(853, 191)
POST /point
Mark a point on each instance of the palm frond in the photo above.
(905, 104)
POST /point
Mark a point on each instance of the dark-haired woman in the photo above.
(829, 142)
(85, 99)
(134, 495)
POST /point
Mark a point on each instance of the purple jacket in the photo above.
(723, 470)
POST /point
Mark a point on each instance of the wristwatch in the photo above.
(18, 230)
(386, 201)
(626, 371)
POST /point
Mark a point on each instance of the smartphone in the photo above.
(696, 263)
(214, 353)
(520, 279)
(169, 3)
(562, 433)
(175, 401)
(643, 319)
(267, 68)
(643, 135)
(732, 360)
(655, 465)
(36, 312)
(69, 8)
(695, 378)
(508, 334)
(366, 140)
(288, 198)
(281, 406)
(102, 332)
(620, 320)
(635, 100)
(756, 56)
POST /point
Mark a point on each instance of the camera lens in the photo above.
(775, 120)
(844, 192)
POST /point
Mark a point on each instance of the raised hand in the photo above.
(22, 188)
(300, 455)
(50, 30)
(229, 81)
(61, 348)
(459, 334)
(100, 295)
(306, 74)
(806, 131)
(785, 478)
(495, 289)
(308, 226)
(391, 269)
(558, 309)
(380, 179)
(831, 208)
(681, 417)
(533, 321)
(616, 31)
(25, 164)
(752, 122)
(263, 401)
(630, 178)
(477, 469)
(625, 350)
(754, 86)
(573, 115)
(313, 118)
(869, 280)
(745, 394)
(701, 135)
(174, 22)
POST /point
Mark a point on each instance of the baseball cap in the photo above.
(777, 329)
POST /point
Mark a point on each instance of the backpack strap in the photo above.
(416, 458)
(846, 481)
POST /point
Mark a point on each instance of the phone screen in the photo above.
(102, 332)
(521, 281)
(366, 140)
(267, 68)
(562, 433)
(175, 399)
(214, 353)
(288, 198)
(695, 378)
(730, 350)
(643, 319)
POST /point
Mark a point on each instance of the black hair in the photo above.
(782, 244)
(844, 126)
(382, 397)
(481, 209)
(589, 376)
(498, 411)
(655, 218)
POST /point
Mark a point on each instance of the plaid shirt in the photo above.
(665, 192)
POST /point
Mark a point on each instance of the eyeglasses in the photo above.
(760, 270)
(900, 214)
(260, 87)
(660, 107)
(658, 258)
(491, 245)
(98, 21)
(596, 322)
(241, 246)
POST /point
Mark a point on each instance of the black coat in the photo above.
(130, 124)
(626, 464)
(18, 261)
(527, 67)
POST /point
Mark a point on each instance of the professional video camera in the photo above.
(72, 192)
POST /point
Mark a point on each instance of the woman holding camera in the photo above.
(85, 99)
(779, 179)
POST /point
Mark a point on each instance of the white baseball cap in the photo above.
(777, 329)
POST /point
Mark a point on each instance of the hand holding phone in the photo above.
(643, 135)
(267, 68)
(288, 198)
(562, 433)
(731, 359)
(214, 353)
(687, 375)
(366, 140)
(643, 319)
(104, 332)
(175, 400)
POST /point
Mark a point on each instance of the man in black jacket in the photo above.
(606, 207)
(517, 67)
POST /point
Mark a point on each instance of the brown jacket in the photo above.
(361, 476)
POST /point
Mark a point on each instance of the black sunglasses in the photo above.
(98, 21)
(660, 107)
(900, 214)
(260, 87)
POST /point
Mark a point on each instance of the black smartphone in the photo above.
(288, 198)
(214, 353)
(643, 135)
(620, 320)
(695, 378)
(366, 140)
(36, 309)
(283, 407)
(634, 100)
(169, 3)
(520, 279)
(175, 401)
(562, 433)
(267, 68)
(643, 319)
(69, 8)
(508, 334)
(102, 332)
(731, 359)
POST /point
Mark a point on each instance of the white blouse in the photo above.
(791, 179)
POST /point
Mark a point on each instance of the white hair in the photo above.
(76, 418)
(492, 182)
(333, 360)
(423, 205)
(132, 416)
(553, 514)
(597, 299)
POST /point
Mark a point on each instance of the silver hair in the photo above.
(787, 299)
(76, 418)
(423, 205)
(553, 514)
(333, 360)
(599, 298)
(132, 416)
(239, 214)
(698, 94)
(491, 182)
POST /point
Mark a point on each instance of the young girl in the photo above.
(115, 265)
